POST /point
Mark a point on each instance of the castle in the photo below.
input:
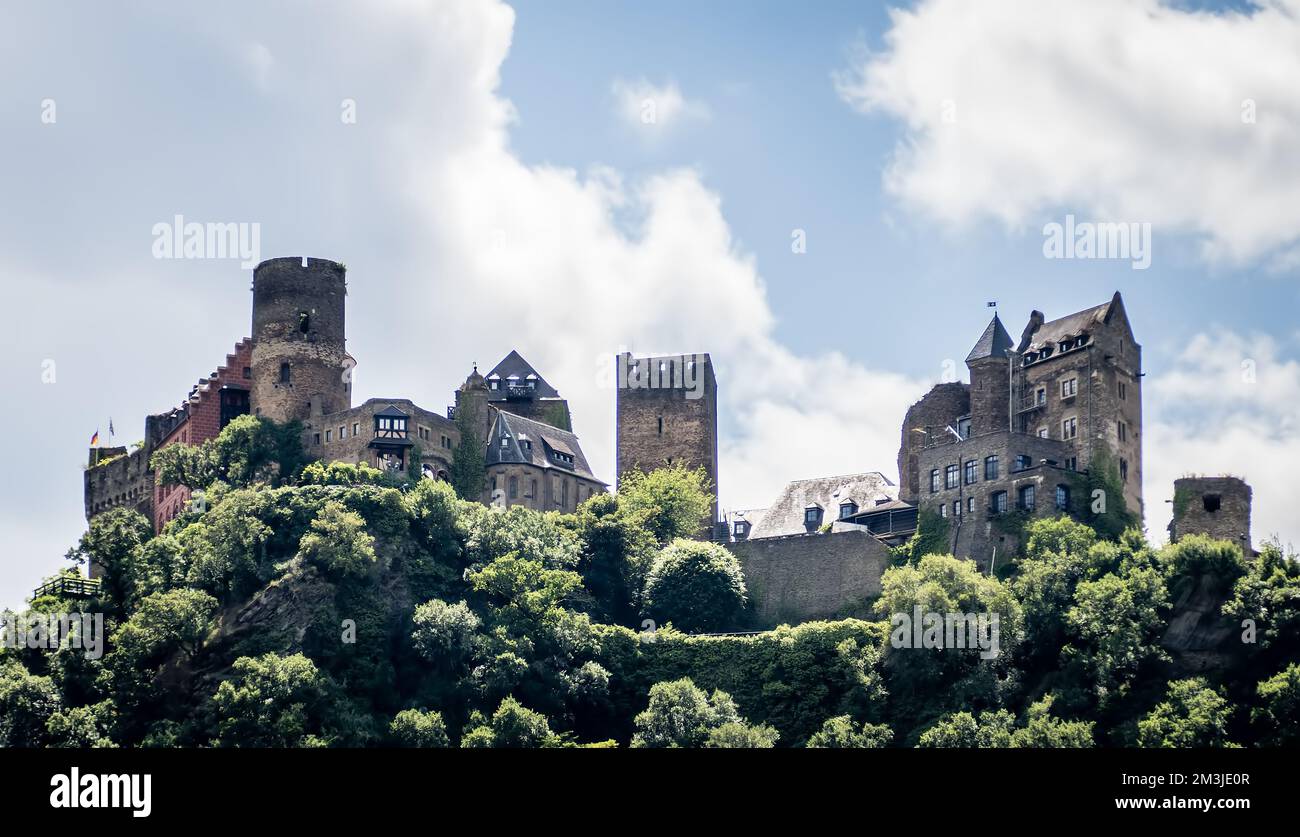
(1037, 418)
(296, 367)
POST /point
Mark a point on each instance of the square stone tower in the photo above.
(667, 414)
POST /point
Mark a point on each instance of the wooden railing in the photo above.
(68, 586)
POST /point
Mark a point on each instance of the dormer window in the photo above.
(848, 509)
(812, 517)
(741, 529)
(505, 442)
(390, 424)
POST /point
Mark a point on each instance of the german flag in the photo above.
(94, 440)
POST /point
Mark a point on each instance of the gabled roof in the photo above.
(514, 366)
(392, 412)
(786, 514)
(994, 342)
(544, 438)
(1072, 325)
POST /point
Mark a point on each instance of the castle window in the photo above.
(934, 481)
(742, 529)
(812, 516)
(1072, 463)
(356, 428)
(963, 428)
(513, 490)
(1123, 470)
(317, 438)
(1040, 396)
(991, 467)
(1024, 462)
(284, 373)
(328, 435)
(1212, 502)
(661, 425)
(950, 478)
(1123, 390)
(848, 509)
(998, 502)
(970, 471)
(248, 372)
(1122, 429)
(505, 442)
(970, 505)
(1063, 497)
(1069, 388)
(304, 322)
(1026, 498)
(1069, 428)
(1042, 432)
(943, 510)
(564, 494)
(532, 488)
(956, 509)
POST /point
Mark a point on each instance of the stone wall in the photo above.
(803, 577)
(940, 407)
(1215, 506)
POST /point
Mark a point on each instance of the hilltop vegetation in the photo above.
(335, 605)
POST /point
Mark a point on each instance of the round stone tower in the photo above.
(1214, 506)
(299, 366)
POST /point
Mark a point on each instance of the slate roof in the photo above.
(514, 366)
(532, 443)
(785, 515)
(994, 342)
(1072, 325)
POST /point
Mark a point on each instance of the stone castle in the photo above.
(1018, 441)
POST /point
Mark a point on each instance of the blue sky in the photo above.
(482, 122)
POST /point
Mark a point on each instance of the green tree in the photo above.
(114, 541)
(680, 714)
(1269, 596)
(1278, 716)
(1192, 715)
(83, 727)
(416, 728)
(513, 725)
(444, 632)
(26, 704)
(840, 733)
(272, 701)
(696, 586)
(1115, 623)
(992, 730)
(617, 553)
(676, 502)
(338, 542)
(1042, 731)
(737, 735)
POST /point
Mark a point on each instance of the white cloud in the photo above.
(654, 108)
(1229, 404)
(1126, 109)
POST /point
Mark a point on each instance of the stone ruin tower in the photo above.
(300, 365)
(1214, 506)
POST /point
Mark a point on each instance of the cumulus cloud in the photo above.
(457, 249)
(1129, 110)
(1229, 404)
(654, 108)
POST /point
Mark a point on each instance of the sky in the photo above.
(823, 196)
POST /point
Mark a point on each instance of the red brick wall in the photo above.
(203, 423)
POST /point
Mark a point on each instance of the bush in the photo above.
(414, 728)
(696, 586)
